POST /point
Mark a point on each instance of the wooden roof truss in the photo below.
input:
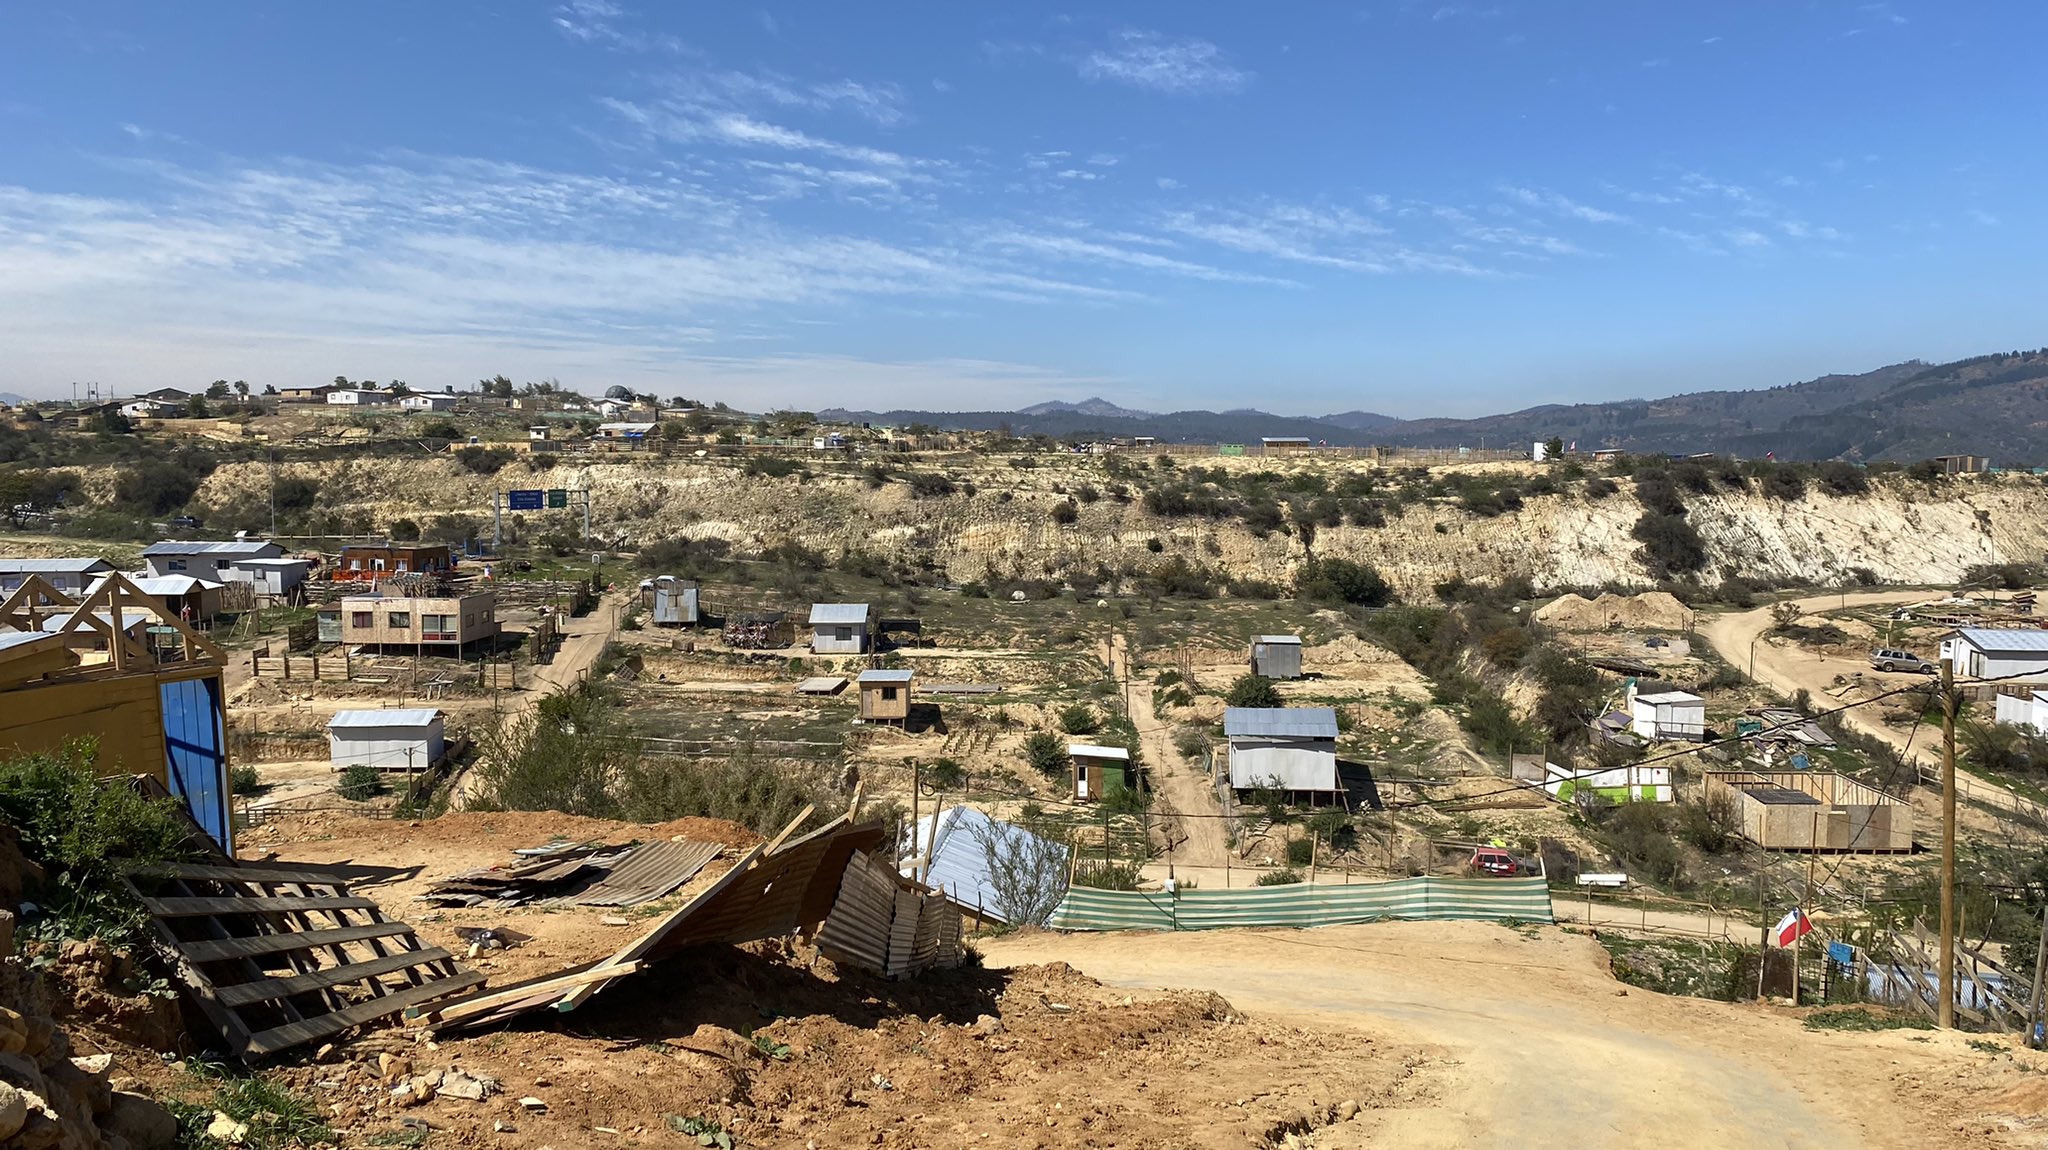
(103, 613)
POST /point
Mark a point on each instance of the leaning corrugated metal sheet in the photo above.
(857, 930)
(1306, 905)
(879, 925)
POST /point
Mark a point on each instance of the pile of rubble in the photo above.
(50, 1097)
(578, 874)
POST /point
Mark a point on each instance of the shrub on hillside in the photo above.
(485, 460)
(1341, 581)
(1047, 754)
(1079, 719)
(1253, 691)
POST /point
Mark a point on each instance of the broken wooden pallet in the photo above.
(277, 958)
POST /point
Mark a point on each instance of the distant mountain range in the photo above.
(1993, 405)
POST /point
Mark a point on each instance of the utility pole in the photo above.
(2033, 1035)
(1946, 1018)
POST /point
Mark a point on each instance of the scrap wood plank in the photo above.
(237, 874)
(269, 989)
(192, 906)
(220, 949)
(546, 986)
(292, 1034)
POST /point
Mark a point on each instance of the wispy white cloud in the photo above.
(1163, 64)
(1168, 183)
(1560, 205)
(1746, 238)
(1113, 250)
(601, 23)
(1979, 215)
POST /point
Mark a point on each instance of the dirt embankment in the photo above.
(1000, 518)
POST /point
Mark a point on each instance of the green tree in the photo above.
(1047, 754)
(1253, 691)
(1553, 448)
(270, 389)
(1079, 719)
(195, 408)
(242, 388)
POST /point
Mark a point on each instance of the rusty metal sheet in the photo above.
(648, 873)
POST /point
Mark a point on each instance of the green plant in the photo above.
(1300, 852)
(704, 1130)
(277, 1118)
(1079, 719)
(1047, 754)
(1864, 1018)
(85, 831)
(1190, 741)
(946, 775)
(359, 783)
(1287, 877)
(245, 780)
(766, 1044)
(1253, 691)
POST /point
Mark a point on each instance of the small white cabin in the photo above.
(1669, 715)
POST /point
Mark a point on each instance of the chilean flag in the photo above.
(1790, 929)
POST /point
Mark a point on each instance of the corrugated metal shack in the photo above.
(1815, 811)
(961, 841)
(1291, 749)
(1276, 656)
(839, 628)
(411, 739)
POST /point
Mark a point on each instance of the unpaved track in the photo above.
(1540, 1047)
(1789, 670)
(1182, 786)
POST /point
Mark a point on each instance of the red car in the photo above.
(1494, 863)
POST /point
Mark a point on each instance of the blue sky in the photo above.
(1417, 208)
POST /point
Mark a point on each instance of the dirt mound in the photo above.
(1347, 649)
(1652, 610)
(778, 1046)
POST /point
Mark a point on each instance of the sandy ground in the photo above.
(1535, 1045)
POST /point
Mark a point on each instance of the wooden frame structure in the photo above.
(281, 958)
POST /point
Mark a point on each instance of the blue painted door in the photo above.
(197, 767)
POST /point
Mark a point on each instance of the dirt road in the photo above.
(1181, 786)
(1789, 670)
(1539, 1046)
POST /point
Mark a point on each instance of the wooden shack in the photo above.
(884, 696)
(1099, 769)
(1814, 811)
(156, 709)
(447, 623)
(370, 561)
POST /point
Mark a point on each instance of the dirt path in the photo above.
(1183, 788)
(1789, 670)
(1540, 1047)
(583, 640)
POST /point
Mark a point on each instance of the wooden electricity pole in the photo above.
(2032, 1036)
(1946, 1018)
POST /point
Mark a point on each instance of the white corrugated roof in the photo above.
(169, 585)
(1281, 722)
(1091, 751)
(197, 547)
(884, 677)
(1294, 639)
(838, 614)
(2000, 639)
(53, 566)
(1666, 698)
(395, 717)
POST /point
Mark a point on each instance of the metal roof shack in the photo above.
(839, 614)
(1294, 639)
(867, 677)
(1280, 722)
(1091, 751)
